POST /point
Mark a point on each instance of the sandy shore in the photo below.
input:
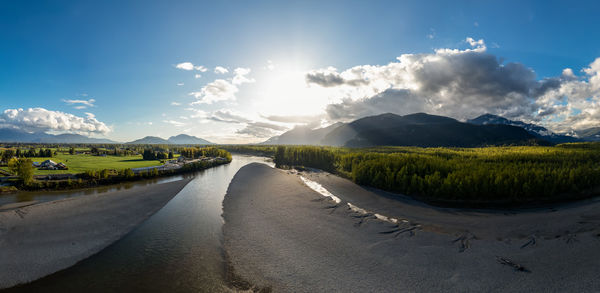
(279, 233)
(41, 239)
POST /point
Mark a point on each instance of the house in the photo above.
(51, 165)
(36, 164)
(48, 165)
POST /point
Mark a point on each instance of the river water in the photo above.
(178, 249)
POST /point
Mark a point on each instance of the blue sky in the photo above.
(124, 56)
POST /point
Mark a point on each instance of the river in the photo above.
(178, 249)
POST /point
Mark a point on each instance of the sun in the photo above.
(283, 90)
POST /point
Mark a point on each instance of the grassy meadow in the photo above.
(79, 163)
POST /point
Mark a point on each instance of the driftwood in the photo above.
(508, 262)
(530, 242)
(465, 241)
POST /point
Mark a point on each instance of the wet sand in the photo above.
(281, 234)
(41, 239)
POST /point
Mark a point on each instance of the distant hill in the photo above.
(590, 134)
(424, 130)
(179, 139)
(303, 135)
(15, 135)
(187, 139)
(536, 130)
(149, 140)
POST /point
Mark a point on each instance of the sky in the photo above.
(243, 71)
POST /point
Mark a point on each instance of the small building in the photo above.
(36, 164)
(61, 166)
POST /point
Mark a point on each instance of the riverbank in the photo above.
(41, 239)
(104, 177)
(281, 234)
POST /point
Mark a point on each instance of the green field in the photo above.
(81, 163)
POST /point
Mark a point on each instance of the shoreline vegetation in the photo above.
(188, 159)
(471, 177)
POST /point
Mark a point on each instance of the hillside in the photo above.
(424, 130)
(303, 135)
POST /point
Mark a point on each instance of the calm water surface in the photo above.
(178, 249)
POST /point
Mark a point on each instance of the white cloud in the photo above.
(179, 83)
(185, 66)
(240, 76)
(431, 34)
(474, 43)
(80, 104)
(174, 123)
(221, 89)
(175, 104)
(228, 116)
(40, 119)
(221, 70)
(197, 75)
(453, 82)
(256, 131)
(216, 91)
(190, 66)
(270, 65)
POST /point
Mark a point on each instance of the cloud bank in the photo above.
(463, 84)
(40, 119)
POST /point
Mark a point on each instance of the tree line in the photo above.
(8, 154)
(197, 152)
(513, 174)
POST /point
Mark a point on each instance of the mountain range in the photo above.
(590, 134)
(15, 135)
(426, 130)
(179, 139)
(417, 129)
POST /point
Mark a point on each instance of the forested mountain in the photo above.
(14, 135)
(149, 140)
(303, 135)
(424, 130)
(187, 139)
(536, 130)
